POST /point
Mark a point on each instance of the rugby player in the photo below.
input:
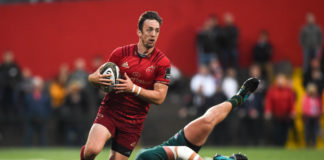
(146, 74)
(187, 142)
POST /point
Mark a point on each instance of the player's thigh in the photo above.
(114, 155)
(97, 138)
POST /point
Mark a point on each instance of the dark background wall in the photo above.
(44, 35)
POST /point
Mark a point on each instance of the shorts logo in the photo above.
(150, 68)
(133, 144)
(176, 136)
(125, 65)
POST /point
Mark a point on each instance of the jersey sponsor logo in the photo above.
(136, 74)
(167, 74)
(150, 68)
(125, 65)
(134, 79)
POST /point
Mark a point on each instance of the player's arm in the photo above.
(155, 96)
(97, 79)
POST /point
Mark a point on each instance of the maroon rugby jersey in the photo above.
(144, 72)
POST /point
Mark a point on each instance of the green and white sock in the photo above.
(236, 100)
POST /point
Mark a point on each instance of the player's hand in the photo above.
(125, 85)
(100, 79)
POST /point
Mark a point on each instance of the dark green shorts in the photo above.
(179, 139)
(158, 153)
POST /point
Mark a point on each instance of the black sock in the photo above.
(236, 100)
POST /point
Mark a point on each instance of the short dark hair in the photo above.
(152, 15)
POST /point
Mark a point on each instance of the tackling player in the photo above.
(146, 72)
(187, 142)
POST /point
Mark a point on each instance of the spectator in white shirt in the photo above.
(230, 86)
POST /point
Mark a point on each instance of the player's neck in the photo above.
(143, 50)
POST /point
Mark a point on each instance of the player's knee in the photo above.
(91, 151)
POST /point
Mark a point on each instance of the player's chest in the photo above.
(138, 68)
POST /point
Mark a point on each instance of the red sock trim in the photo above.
(82, 153)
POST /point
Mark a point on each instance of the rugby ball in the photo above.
(112, 69)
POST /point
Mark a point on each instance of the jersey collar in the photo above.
(148, 56)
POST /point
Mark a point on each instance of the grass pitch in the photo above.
(253, 153)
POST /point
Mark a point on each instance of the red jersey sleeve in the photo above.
(115, 56)
(163, 71)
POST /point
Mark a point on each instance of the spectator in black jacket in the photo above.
(262, 53)
(208, 41)
(229, 43)
(11, 77)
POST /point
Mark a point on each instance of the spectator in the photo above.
(58, 93)
(314, 74)
(230, 85)
(203, 88)
(208, 41)
(11, 77)
(279, 105)
(262, 53)
(57, 87)
(251, 114)
(37, 106)
(216, 71)
(76, 114)
(80, 74)
(229, 42)
(312, 111)
(26, 86)
(310, 39)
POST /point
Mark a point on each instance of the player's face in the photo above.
(150, 33)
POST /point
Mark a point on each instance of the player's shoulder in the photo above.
(160, 58)
(124, 50)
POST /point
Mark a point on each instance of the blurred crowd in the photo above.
(65, 105)
(270, 112)
(67, 102)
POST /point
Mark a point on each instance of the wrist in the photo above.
(133, 89)
(136, 90)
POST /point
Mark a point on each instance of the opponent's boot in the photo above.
(249, 86)
(220, 157)
(238, 156)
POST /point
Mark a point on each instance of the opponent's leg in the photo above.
(97, 138)
(197, 131)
